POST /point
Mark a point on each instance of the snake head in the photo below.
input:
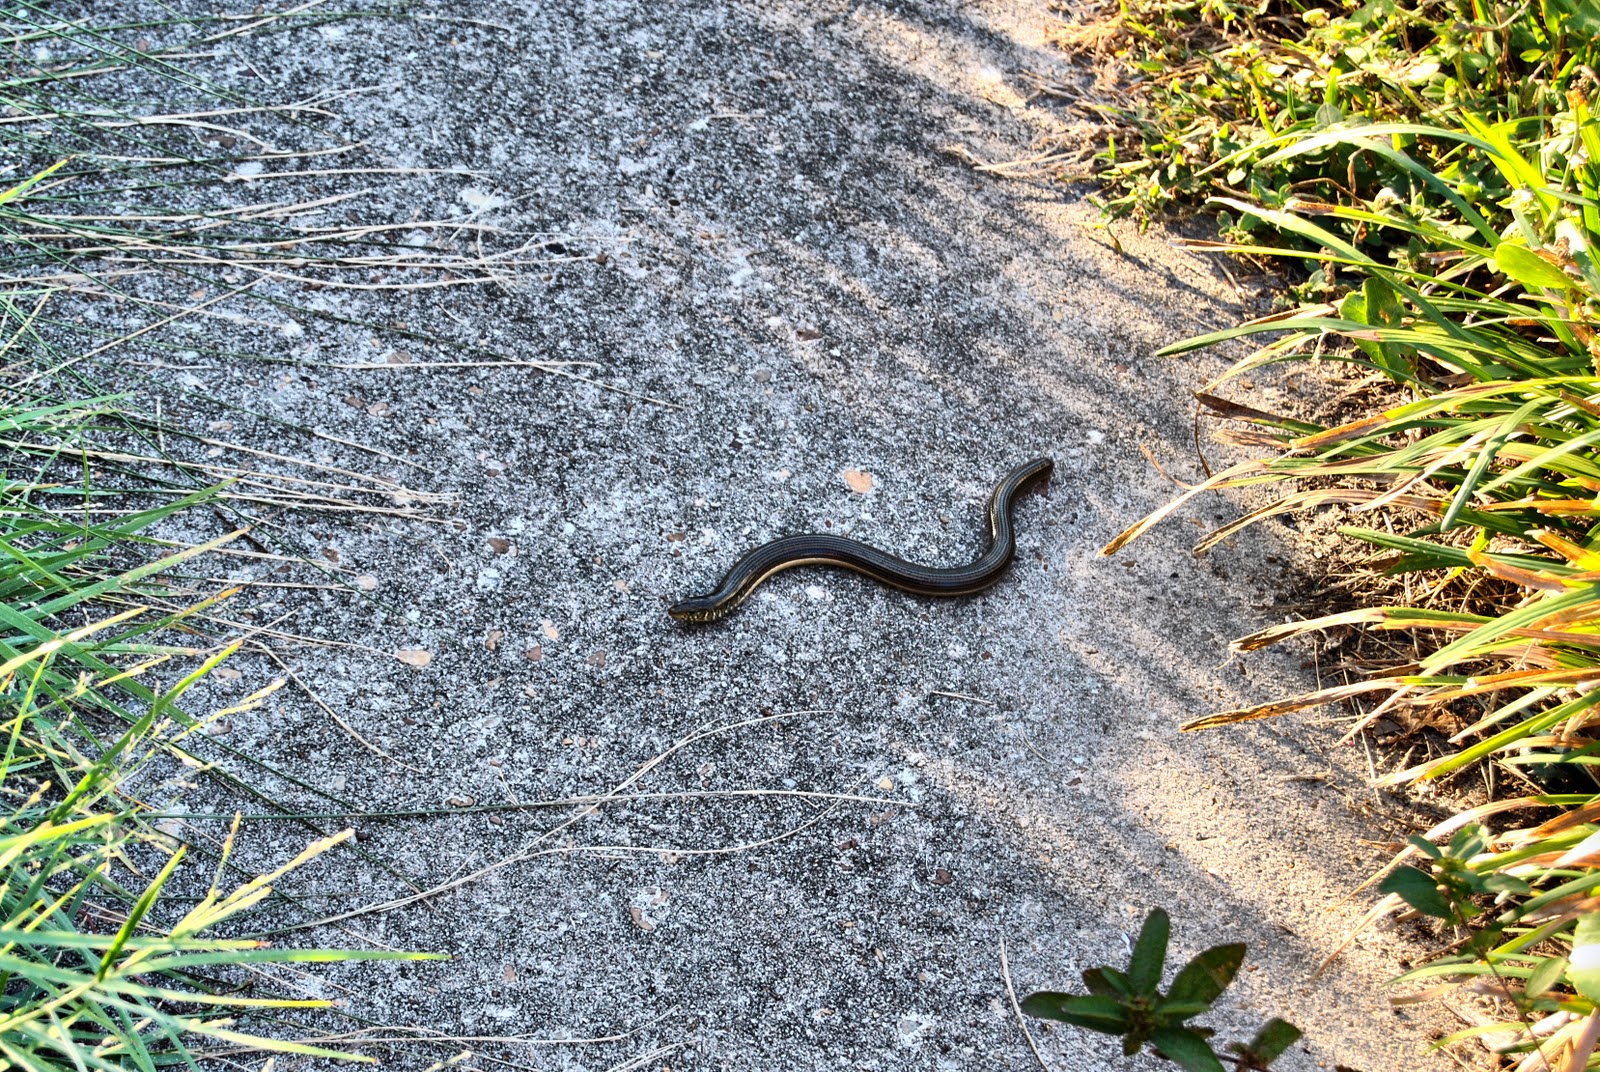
(698, 610)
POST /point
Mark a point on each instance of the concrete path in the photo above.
(789, 283)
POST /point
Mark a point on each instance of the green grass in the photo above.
(93, 980)
(102, 964)
(1222, 89)
(1435, 168)
(98, 971)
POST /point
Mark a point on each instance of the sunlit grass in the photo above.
(108, 201)
(1447, 213)
(100, 972)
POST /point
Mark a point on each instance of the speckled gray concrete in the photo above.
(798, 266)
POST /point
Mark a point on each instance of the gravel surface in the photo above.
(800, 307)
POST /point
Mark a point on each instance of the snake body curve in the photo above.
(818, 549)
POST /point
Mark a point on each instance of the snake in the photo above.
(819, 549)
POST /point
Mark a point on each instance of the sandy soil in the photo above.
(769, 245)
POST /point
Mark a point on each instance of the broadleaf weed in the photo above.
(1131, 1005)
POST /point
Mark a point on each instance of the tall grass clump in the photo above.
(99, 972)
(1436, 170)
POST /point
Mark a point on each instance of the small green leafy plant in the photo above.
(1451, 888)
(1130, 1004)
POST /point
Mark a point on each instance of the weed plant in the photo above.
(1130, 1004)
(1437, 167)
